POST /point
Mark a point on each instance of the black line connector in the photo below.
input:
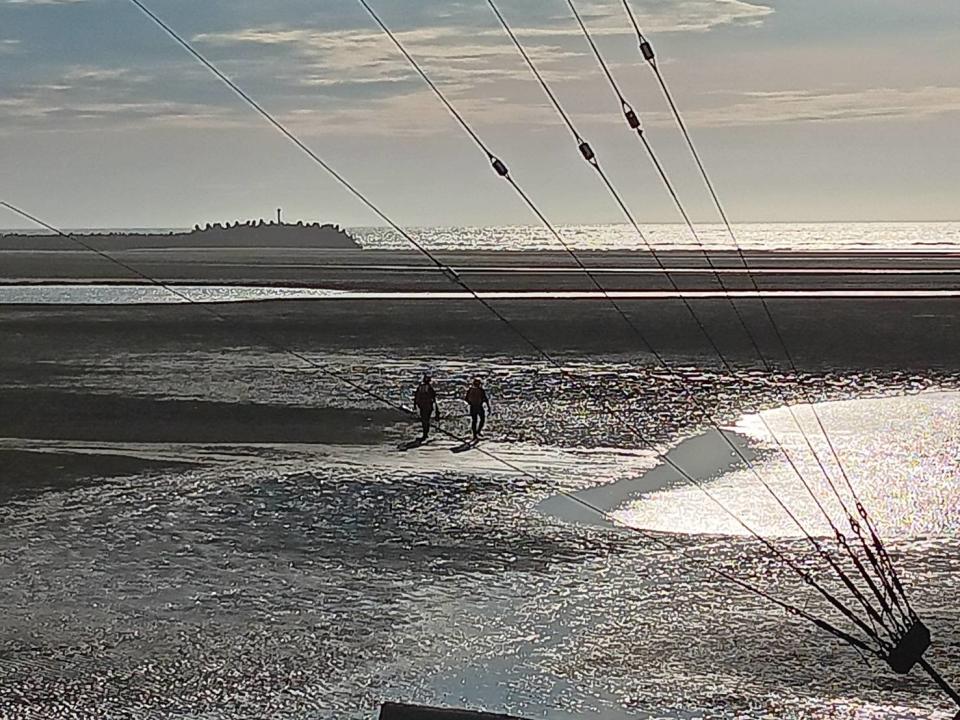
(910, 649)
(647, 50)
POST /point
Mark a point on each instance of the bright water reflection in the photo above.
(115, 294)
(902, 456)
(861, 236)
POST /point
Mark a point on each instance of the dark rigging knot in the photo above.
(646, 49)
(632, 120)
(500, 167)
(587, 152)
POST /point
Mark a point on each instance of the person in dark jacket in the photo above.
(425, 400)
(477, 399)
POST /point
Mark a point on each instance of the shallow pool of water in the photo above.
(116, 294)
(901, 455)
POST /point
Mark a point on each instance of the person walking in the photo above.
(425, 400)
(477, 399)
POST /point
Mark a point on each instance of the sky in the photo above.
(804, 110)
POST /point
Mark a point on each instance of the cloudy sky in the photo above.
(803, 109)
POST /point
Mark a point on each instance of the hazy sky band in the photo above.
(804, 111)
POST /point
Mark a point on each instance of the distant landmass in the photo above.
(249, 234)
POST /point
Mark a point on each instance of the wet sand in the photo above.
(143, 419)
(906, 334)
(912, 333)
(857, 334)
(318, 585)
(82, 415)
(394, 270)
(28, 472)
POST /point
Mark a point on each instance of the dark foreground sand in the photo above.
(28, 473)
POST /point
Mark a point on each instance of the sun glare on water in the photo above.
(900, 454)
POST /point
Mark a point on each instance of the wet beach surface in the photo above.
(195, 524)
(398, 270)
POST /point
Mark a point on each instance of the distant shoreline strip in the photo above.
(109, 294)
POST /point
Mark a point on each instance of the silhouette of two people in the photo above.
(425, 401)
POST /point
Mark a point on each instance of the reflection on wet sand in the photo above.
(901, 453)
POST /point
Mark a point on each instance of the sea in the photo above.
(786, 237)
(561, 568)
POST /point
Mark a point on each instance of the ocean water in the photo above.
(800, 237)
(805, 237)
(114, 294)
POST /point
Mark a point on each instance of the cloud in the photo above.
(653, 16)
(353, 80)
(471, 46)
(352, 76)
(39, 112)
(452, 56)
(90, 97)
(700, 15)
(470, 58)
(792, 106)
(93, 75)
(43, 2)
(356, 81)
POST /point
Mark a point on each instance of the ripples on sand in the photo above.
(303, 581)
